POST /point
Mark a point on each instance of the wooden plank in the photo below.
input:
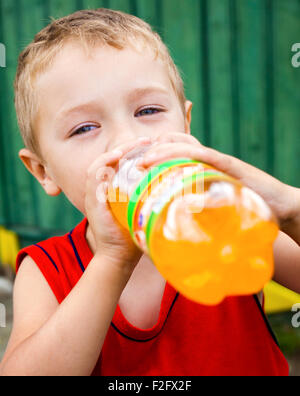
(130, 6)
(181, 25)
(28, 23)
(252, 54)
(31, 20)
(152, 13)
(94, 4)
(120, 5)
(220, 76)
(269, 78)
(205, 73)
(9, 128)
(5, 187)
(147, 10)
(3, 194)
(61, 8)
(287, 92)
(235, 76)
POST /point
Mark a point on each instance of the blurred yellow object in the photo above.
(278, 298)
(9, 248)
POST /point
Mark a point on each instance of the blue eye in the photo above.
(84, 129)
(148, 111)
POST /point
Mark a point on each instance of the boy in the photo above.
(92, 86)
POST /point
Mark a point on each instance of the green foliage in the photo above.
(287, 335)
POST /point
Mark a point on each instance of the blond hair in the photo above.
(90, 28)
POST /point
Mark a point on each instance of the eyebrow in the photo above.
(132, 96)
(140, 92)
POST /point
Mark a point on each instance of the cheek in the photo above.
(176, 124)
(71, 178)
(177, 118)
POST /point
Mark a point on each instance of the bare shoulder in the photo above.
(30, 284)
(33, 303)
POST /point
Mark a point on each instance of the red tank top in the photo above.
(233, 338)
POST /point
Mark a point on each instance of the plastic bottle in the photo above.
(209, 236)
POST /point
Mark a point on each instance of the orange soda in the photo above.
(208, 235)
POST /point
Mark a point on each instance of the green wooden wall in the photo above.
(235, 57)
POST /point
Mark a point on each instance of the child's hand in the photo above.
(112, 240)
(283, 199)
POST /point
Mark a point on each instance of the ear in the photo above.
(39, 170)
(188, 116)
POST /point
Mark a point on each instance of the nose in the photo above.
(126, 133)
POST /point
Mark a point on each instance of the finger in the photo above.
(105, 174)
(126, 147)
(102, 170)
(112, 157)
(178, 137)
(234, 167)
(222, 162)
(169, 151)
(102, 193)
(97, 195)
(106, 159)
(225, 163)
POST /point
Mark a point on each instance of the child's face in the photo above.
(89, 106)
